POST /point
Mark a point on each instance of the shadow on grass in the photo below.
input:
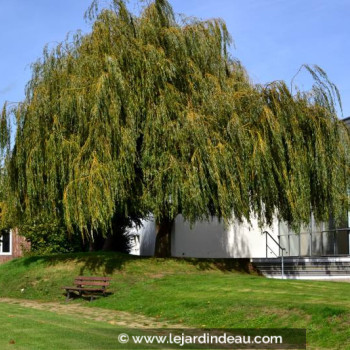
(86, 296)
(109, 262)
(228, 265)
(96, 262)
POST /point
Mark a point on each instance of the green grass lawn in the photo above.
(25, 328)
(197, 293)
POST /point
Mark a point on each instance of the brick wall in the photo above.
(19, 245)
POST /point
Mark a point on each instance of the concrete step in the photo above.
(305, 268)
(313, 273)
(322, 259)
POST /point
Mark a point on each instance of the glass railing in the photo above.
(319, 243)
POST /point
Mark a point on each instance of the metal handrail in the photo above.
(267, 246)
(280, 247)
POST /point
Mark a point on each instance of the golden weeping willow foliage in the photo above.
(147, 114)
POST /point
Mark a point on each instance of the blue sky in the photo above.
(273, 38)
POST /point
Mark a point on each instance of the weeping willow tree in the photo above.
(151, 114)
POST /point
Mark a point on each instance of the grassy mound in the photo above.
(198, 293)
(40, 277)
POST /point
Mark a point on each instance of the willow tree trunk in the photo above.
(163, 238)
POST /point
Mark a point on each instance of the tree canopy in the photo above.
(151, 114)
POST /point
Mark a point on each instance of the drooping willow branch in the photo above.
(148, 115)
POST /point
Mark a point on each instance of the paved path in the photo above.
(119, 318)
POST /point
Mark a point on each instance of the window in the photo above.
(5, 242)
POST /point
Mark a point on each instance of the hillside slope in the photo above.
(194, 292)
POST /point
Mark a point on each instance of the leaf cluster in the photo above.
(147, 114)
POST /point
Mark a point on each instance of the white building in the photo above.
(243, 240)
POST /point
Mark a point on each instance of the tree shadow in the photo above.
(95, 262)
(224, 265)
(106, 263)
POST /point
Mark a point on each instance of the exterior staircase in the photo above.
(315, 268)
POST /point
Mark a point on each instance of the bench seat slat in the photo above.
(83, 289)
(93, 278)
(91, 283)
(88, 284)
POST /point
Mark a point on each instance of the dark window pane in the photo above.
(5, 242)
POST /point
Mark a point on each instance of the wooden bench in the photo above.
(89, 285)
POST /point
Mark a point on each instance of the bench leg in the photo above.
(68, 295)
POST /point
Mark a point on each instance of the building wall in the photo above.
(18, 245)
(148, 238)
(143, 238)
(214, 239)
(211, 239)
